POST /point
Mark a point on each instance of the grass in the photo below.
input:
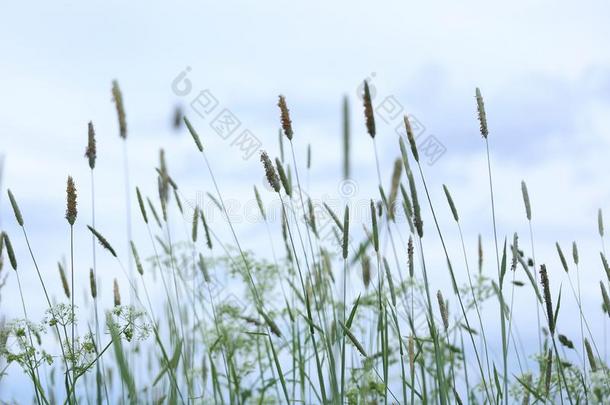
(208, 321)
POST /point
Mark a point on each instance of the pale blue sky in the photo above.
(543, 67)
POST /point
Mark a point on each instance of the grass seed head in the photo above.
(141, 204)
(71, 211)
(285, 117)
(544, 280)
(9, 251)
(136, 258)
(270, 172)
(562, 258)
(92, 284)
(575, 252)
(368, 111)
(410, 256)
(193, 134)
(394, 188)
(442, 306)
(605, 298)
(345, 244)
(411, 138)
(482, 114)
(590, 355)
(208, 240)
(195, 223)
(91, 151)
(526, 201)
(283, 177)
(116, 293)
(64, 280)
(105, 244)
(451, 204)
(259, 202)
(600, 223)
(16, 209)
(366, 270)
(117, 97)
(375, 229)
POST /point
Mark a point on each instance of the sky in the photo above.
(542, 66)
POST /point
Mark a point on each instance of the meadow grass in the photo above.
(208, 321)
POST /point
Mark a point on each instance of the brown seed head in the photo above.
(285, 117)
(71, 201)
(368, 111)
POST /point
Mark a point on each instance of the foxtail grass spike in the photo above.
(92, 284)
(480, 253)
(334, 216)
(71, 211)
(259, 202)
(410, 257)
(208, 240)
(194, 134)
(600, 223)
(195, 223)
(102, 241)
(411, 139)
(9, 250)
(283, 177)
(605, 298)
(16, 209)
(411, 348)
(451, 204)
(394, 188)
(117, 97)
(136, 258)
(482, 114)
(346, 138)
(154, 212)
(404, 155)
(308, 156)
(345, 232)
(526, 201)
(366, 270)
(544, 280)
(354, 340)
(590, 355)
(285, 117)
(64, 280)
(575, 252)
(368, 111)
(419, 224)
(312, 217)
(562, 258)
(204, 269)
(116, 293)
(549, 372)
(141, 204)
(270, 172)
(443, 309)
(91, 151)
(375, 230)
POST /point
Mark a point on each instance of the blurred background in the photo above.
(543, 68)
